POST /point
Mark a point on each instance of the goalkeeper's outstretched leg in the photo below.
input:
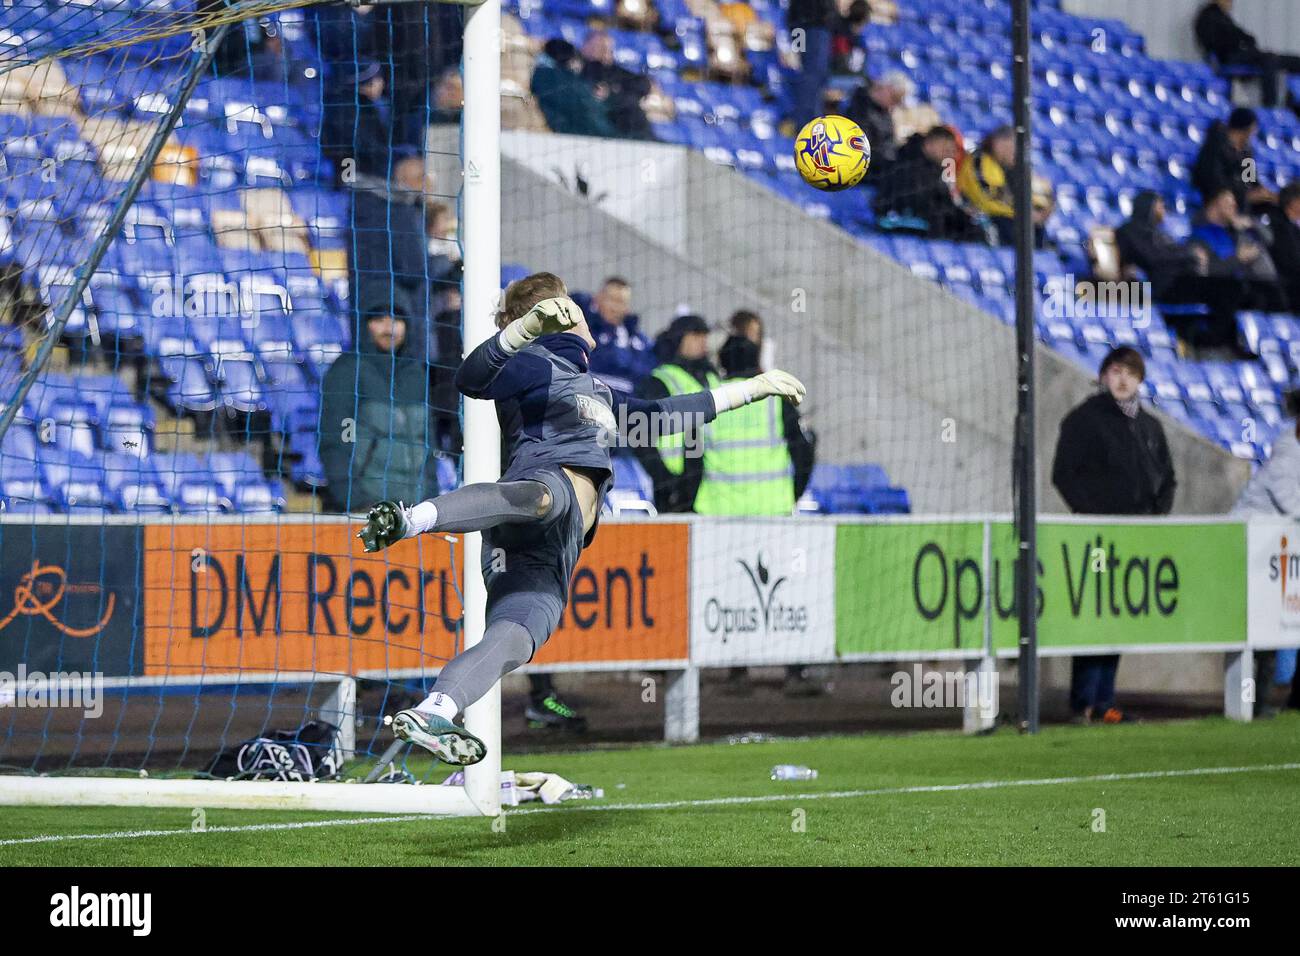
(532, 536)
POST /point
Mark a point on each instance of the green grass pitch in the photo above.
(879, 800)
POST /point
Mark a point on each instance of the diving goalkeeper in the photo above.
(559, 423)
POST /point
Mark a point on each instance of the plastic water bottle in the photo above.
(789, 771)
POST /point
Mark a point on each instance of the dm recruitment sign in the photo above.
(917, 588)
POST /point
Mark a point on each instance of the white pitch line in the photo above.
(677, 804)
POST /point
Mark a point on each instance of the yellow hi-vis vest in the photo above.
(678, 381)
(747, 466)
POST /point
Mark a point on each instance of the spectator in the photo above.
(375, 421)
(673, 462)
(916, 192)
(356, 133)
(848, 56)
(448, 98)
(1179, 274)
(1227, 161)
(620, 90)
(1285, 248)
(624, 354)
(1111, 459)
(810, 23)
(563, 96)
(1274, 492)
(1237, 249)
(387, 251)
(872, 106)
(761, 463)
(1223, 38)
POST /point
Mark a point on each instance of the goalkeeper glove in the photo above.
(386, 524)
(776, 382)
(545, 318)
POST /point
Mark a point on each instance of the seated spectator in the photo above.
(624, 355)
(1143, 243)
(1285, 249)
(987, 180)
(356, 133)
(620, 90)
(563, 96)
(1227, 161)
(848, 55)
(871, 106)
(375, 420)
(1223, 38)
(916, 194)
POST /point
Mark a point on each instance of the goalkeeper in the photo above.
(559, 423)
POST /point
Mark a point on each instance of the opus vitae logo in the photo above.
(766, 612)
(77, 908)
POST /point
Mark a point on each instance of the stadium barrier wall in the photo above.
(222, 600)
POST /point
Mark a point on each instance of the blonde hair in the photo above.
(522, 294)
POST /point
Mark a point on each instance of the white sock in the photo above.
(421, 518)
(440, 704)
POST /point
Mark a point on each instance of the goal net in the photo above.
(230, 290)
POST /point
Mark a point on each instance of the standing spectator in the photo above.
(1274, 492)
(620, 90)
(673, 462)
(1227, 161)
(872, 107)
(377, 433)
(1223, 38)
(624, 354)
(387, 251)
(916, 192)
(810, 23)
(448, 99)
(1285, 249)
(848, 56)
(357, 133)
(1111, 459)
(564, 97)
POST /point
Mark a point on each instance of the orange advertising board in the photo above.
(628, 598)
(226, 598)
(294, 597)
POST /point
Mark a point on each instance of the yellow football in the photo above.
(832, 153)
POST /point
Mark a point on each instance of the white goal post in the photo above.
(480, 247)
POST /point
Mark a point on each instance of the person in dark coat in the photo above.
(913, 194)
(378, 437)
(620, 90)
(1285, 247)
(387, 252)
(1111, 459)
(357, 133)
(872, 107)
(566, 101)
(810, 24)
(1225, 159)
(1223, 38)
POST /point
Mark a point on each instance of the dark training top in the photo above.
(554, 412)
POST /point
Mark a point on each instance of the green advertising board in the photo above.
(916, 588)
